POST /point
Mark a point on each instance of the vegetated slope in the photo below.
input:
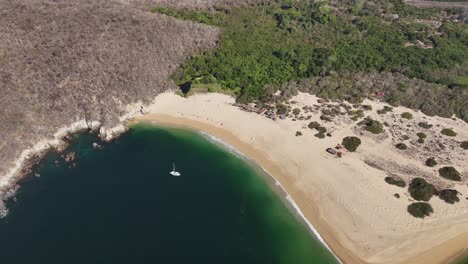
(63, 61)
(193, 4)
(262, 47)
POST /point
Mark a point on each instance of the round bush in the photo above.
(450, 173)
(320, 135)
(431, 162)
(464, 145)
(421, 190)
(448, 132)
(421, 135)
(351, 143)
(314, 125)
(449, 196)
(407, 115)
(420, 209)
(401, 146)
(393, 181)
(372, 126)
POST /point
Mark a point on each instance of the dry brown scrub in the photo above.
(63, 61)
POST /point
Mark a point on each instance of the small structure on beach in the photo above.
(332, 151)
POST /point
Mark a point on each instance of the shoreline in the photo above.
(215, 115)
(318, 204)
(321, 231)
(287, 198)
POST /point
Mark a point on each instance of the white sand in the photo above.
(348, 201)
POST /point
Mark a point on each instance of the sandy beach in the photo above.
(346, 199)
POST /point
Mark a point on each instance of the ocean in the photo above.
(119, 204)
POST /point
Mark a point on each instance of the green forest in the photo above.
(263, 48)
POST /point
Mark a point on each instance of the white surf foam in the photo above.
(277, 183)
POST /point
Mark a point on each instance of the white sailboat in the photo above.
(174, 172)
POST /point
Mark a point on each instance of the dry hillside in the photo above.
(63, 61)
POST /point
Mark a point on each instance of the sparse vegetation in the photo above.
(314, 125)
(83, 60)
(298, 133)
(385, 110)
(431, 162)
(449, 196)
(448, 132)
(351, 143)
(396, 182)
(450, 173)
(296, 111)
(421, 190)
(421, 135)
(420, 209)
(464, 145)
(425, 125)
(407, 115)
(372, 125)
(401, 146)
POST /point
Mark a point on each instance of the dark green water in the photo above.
(120, 205)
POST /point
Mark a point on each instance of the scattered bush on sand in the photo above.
(425, 125)
(296, 111)
(298, 133)
(420, 209)
(407, 115)
(448, 132)
(372, 126)
(393, 181)
(401, 146)
(314, 125)
(281, 109)
(421, 190)
(320, 135)
(464, 145)
(396, 195)
(450, 173)
(431, 162)
(421, 135)
(449, 196)
(351, 143)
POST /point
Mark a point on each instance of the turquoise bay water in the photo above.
(120, 205)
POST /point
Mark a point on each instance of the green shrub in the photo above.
(450, 173)
(401, 146)
(425, 125)
(314, 125)
(421, 190)
(385, 110)
(320, 135)
(351, 143)
(420, 209)
(407, 115)
(431, 162)
(321, 129)
(296, 111)
(449, 196)
(372, 126)
(393, 181)
(420, 140)
(421, 135)
(281, 109)
(448, 132)
(464, 145)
